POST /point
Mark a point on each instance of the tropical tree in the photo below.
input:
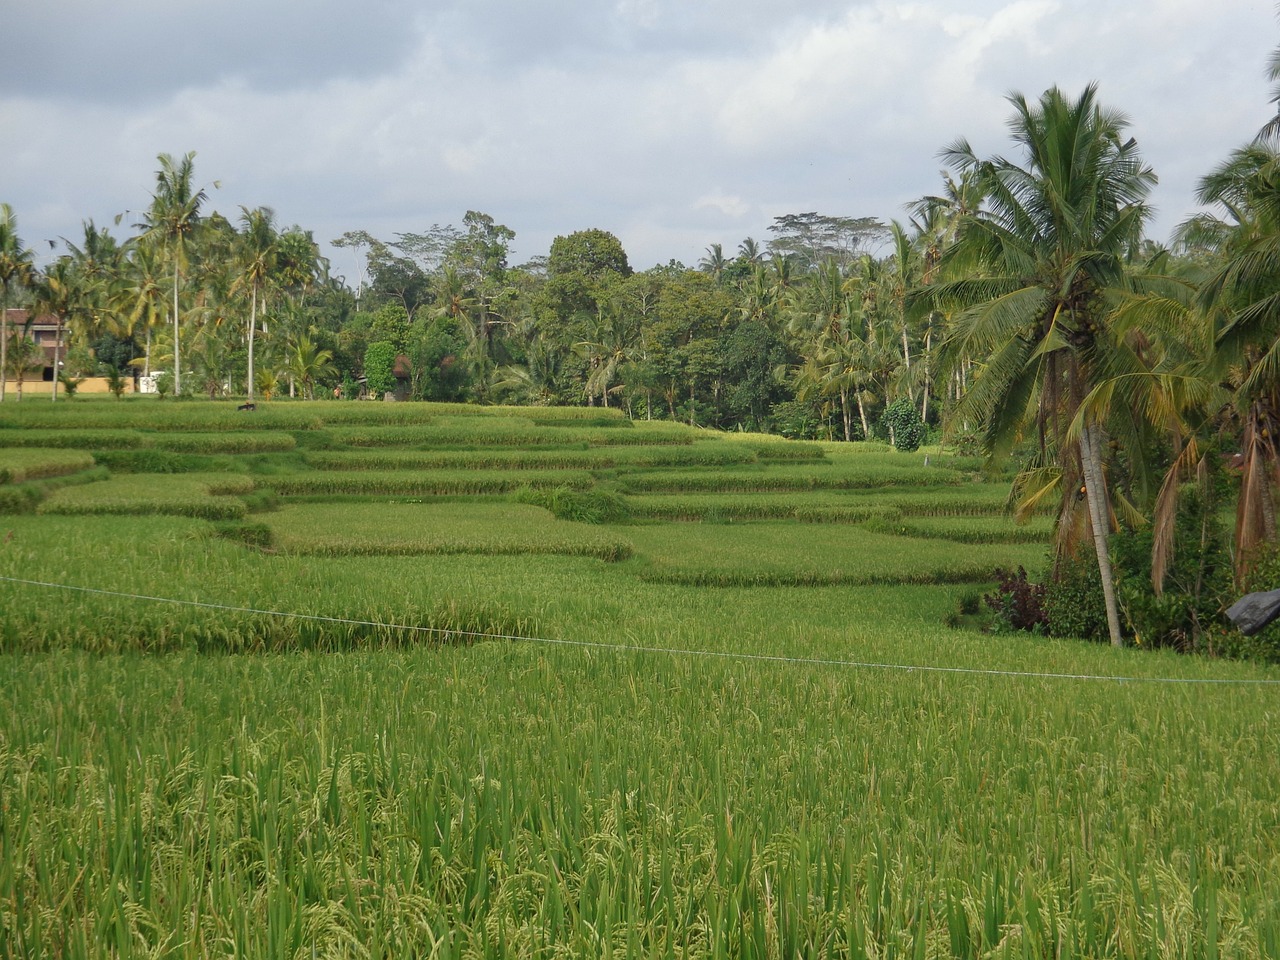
(1044, 256)
(21, 355)
(1241, 302)
(171, 222)
(308, 364)
(57, 292)
(15, 270)
(138, 295)
(257, 249)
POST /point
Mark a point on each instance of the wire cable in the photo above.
(637, 648)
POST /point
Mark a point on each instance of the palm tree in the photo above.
(172, 220)
(308, 363)
(15, 270)
(1045, 254)
(57, 292)
(257, 249)
(714, 262)
(1241, 301)
(138, 297)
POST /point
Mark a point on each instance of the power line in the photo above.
(637, 648)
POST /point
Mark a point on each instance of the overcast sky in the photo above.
(673, 123)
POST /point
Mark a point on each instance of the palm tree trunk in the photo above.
(4, 343)
(253, 325)
(847, 415)
(177, 362)
(57, 342)
(862, 415)
(1095, 493)
(906, 357)
(924, 405)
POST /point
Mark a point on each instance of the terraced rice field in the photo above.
(445, 681)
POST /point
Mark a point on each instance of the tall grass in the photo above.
(376, 779)
(191, 495)
(18, 466)
(422, 483)
(363, 529)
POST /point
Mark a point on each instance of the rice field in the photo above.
(19, 466)
(401, 708)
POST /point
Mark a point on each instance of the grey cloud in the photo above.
(139, 51)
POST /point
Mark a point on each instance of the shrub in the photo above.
(379, 366)
(902, 422)
(1018, 604)
(1264, 574)
(1073, 600)
(1197, 584)
(70, 384)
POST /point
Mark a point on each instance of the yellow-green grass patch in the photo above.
(960, 529)
(790, 477)
(369, 529)
(421, 483)
(830, 505)
(21, 465)
(207, 496)
(772, 553)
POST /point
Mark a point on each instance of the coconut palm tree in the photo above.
(15, 270)
(1241, 302)
(257, 247)
(57, 292)
(308, 363)
(1044, 255)
(138, 295)
(172, 221)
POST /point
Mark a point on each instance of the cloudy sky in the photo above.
(673, 123)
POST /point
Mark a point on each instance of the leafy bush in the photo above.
(903, 424)
(379, 364)
(1073, 600)
(1018, 604)
(1264, 574)
(1197, 584)
(69, 383)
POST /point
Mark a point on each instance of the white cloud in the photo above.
(730, 206)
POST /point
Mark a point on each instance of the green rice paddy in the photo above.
(717, 730)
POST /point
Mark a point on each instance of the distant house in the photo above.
(44, 331)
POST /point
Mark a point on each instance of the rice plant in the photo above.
(20, 465)
(209, 496)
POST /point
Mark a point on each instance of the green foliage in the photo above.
(1073, 600)
(70, 384)
(116, 381)
(901, 421)
(1198, 585)
(1264, 574)
(579, 506)
(379, 364)
(592, 254)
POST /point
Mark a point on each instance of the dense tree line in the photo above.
(1020, 312)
